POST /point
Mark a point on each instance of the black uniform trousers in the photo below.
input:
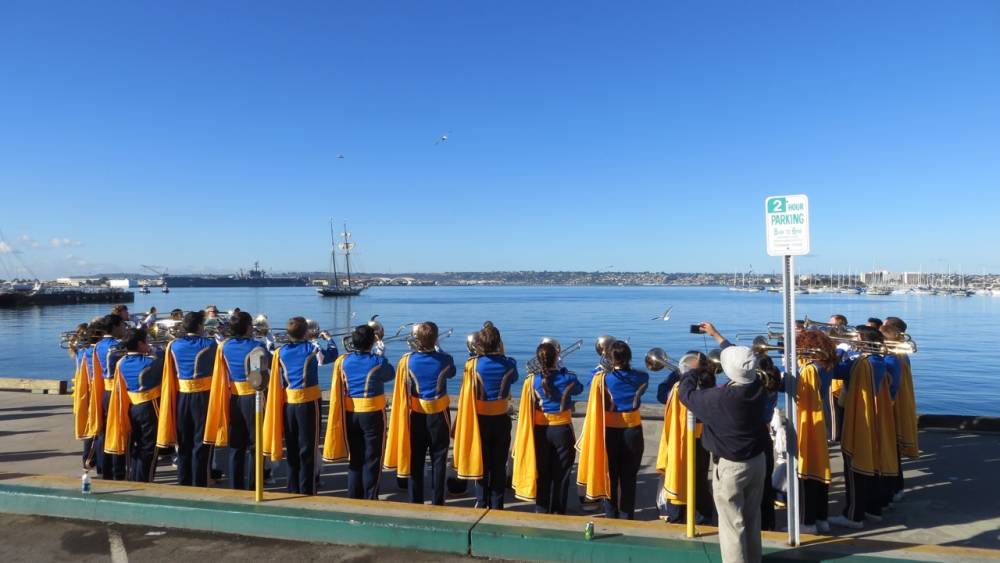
(494, 434)
(768, 519)
(111, 466)
(242, 432)
(625, 446)
(860, 490)
(554, 454)
(90, 459)
(429, 433)
(815, 500)
(366, 444)
(142, 443)
(301, 441)
(193, 454)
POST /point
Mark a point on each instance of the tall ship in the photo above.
(255, 277)
(337, 287)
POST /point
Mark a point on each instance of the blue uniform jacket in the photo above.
(235, 352)
(366, 374)
(892, 365)
(300, 363)
(141, 373)
(496, 373)
(625, 388)
(193, 356)
(104, 349)
(429, 374)
(564, 385)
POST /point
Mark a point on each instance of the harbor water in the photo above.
(955, 370)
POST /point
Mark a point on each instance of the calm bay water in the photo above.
(956, 371)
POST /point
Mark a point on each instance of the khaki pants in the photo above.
(737, 489)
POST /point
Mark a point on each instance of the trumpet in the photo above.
(534, 367)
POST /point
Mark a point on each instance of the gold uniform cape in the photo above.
(467, 455)
(118, 429)
(83, 426)
(274, 412)
(217, 419)
(905, 409)
(397, 443)
(525, 478)
(813, 457)
(869, 427)
(671, 460)
(95, 397)
(592, 469)
(166, 431)
(335, 444)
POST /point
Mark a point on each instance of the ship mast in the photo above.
(333, 256)
(346, 246)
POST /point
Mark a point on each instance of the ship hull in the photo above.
(342, 292)
(18, 299)
(199, 281)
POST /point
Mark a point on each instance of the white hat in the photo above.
(738, 363)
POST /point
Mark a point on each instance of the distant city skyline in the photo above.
(580, 137)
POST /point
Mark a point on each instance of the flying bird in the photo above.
(665, 316)
(442, 138)
(340, 157)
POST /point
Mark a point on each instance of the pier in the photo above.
(951, 511)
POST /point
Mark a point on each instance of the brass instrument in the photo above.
(470, 343)
(830, 328)
(412, 340)
(905, 346)
(532, 365)
(657, 359)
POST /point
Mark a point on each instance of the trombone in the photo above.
(414, 345)
(830, 328)
(657, 359)
(534, 367)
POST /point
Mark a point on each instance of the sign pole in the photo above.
(691, 475)
(791, 385)
(258, 458)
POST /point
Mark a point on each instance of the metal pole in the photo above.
(258, 457)
(791, 384)
(690, 475)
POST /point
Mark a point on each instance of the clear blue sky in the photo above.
(583, 135)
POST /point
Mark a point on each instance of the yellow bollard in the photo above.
(258, 457)
(690, 475)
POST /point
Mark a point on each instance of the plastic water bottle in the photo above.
(85, 483)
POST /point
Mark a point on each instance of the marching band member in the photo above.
(111, 466)
(232, 400)
(292, 417)
(150, 319)
(904, 404)
(133, 414)
(356, 424)
(815, 374)
(121, 310)
(186, 384)
(864, 425)
(835, 421)
(544, 442)
(611, 444)
(885, 425)
(421, 423)
(482, 427)
(671, 459)
(83, 353)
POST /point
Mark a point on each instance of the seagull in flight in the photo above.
(442, 138)
(340, 157)
(665, 316)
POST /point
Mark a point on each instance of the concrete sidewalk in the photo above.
(952, 498)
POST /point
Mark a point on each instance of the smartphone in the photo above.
(696, 329)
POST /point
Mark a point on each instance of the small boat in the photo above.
(144, 289)
(165, 289)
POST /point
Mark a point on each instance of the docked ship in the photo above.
(336, 287)
(29, 295)
(255, 277)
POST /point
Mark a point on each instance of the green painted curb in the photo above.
(279, 522)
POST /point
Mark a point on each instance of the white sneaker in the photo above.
(873, 517)
(823, 526)
(845, 522)
(808, 529)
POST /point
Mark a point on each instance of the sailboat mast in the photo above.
(347, 254)
(333, 255)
